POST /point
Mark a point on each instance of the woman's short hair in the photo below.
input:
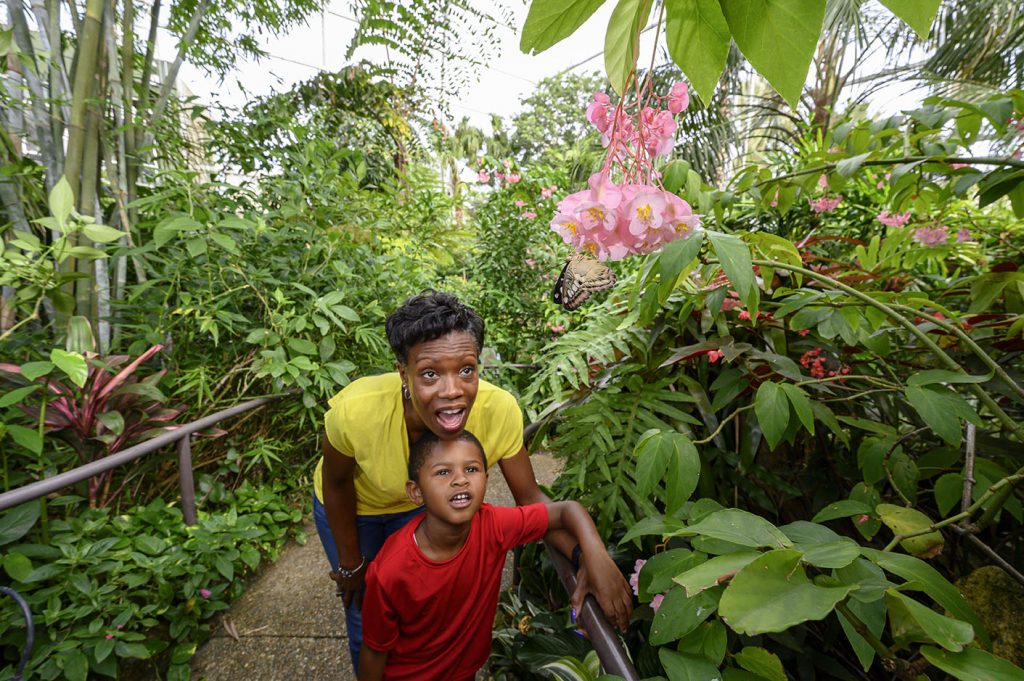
(428, 316)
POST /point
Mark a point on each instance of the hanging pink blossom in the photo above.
(520, 203)
(634, 579)
(963, 234)
(547, 192)
(823, 181)
(656, 601)
(825, 204)
(896, 220)
(512, 178)
(715, 355)
(934, 236)
(205, 593)
(678, 98)
(529, 215)
(483, 177)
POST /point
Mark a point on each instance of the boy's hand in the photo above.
(601, 577)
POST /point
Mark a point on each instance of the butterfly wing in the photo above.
(580, 278)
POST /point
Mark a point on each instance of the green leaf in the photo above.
(698, 40)
(622, 41)
(196, 246)
(18, 566)
(973, 664)
(738, 527)
(903, 520)
(773, 593)
(102, 233)
(834, 554)
(225, 242)
(551, 21)
(948, 492)
(76, 665)
(169, 228)
(62, 200)
(679, 615)
(734, 255)
(778, 38)
(949, 633)
(944, 376)
(772, 411)
(761, 662)
(80, 338)
(29, 438)
(112, 421)
(136, 650)
(681, 667)
(848, 166)
(653, 451)
(658, 572)
(714, 571)
(872, 615)
(302, 346)
(103, 648)
(33, 370)
(941, 409)
(842, 509)
(16, 522)
(653, 525)
(801, 405)
(72, 364)
(17, 395)
(225, 567)
(683, 472)
(917, 13)
(927, 579)
(672, 258)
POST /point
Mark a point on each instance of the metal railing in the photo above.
(182, 435)
(606, 643)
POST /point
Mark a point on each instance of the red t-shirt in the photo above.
(434, 619)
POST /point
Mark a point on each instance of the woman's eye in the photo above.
(428, 374)
(468, 371)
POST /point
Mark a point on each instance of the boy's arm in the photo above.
(371, 664)
(571, 516)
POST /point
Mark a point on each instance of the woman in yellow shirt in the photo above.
(359, 485)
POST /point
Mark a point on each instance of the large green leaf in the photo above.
(949, 633)
(17, 566)
(942, 409)
(772, 409)
(653, 452)
(681, 667)
(833, 554)
(917, 13)
(902, 520)
(761, 662)
(773, 593)
(653, 525)
(683, 473)
(714, 571)
(872, 615)
(738, 527)
(679, 615)
(61, 200)
(778, 38)
(698, 40)
(927, 579)
(72, 364)
(657, 574)
(550, 21)
(973, 664)
(622, 42)
(842, 509)
(735, 258)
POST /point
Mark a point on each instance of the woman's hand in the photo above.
(600, 576)
(352, 586)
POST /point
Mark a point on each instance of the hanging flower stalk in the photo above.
(627, 211)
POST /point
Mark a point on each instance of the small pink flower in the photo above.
(895, 220)
(731, 303)
(656, 601)
(715, 355)
(530, 263)
(744, 315)
(500, 175)
(483, 177)
(109, 636)
(931, 236)
(205, 593)
(803, 332)
(546, 192)
(513, 178)
(507, 164)
(120, 627)
(558, 328)
(529, 215)
(861, 519)
(678, 98)
(825, 204)
(823, 181)
(520, 203)
(963, 235)
(634, 579)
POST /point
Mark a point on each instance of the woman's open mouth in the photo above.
(451, 420)
(461, 500)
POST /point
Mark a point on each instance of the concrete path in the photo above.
(289, 623)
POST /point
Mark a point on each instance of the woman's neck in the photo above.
(439, 540)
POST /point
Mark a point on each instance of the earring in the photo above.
(405, 391)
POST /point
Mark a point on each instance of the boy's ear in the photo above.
(413, 491)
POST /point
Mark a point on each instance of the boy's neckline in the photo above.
(449, 552)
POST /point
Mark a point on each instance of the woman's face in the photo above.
(442, 379)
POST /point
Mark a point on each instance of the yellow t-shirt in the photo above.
(366, 421)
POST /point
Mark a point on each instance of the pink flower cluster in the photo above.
(483, 175)
(654, 130)
(548, 192)
(612, 221)
(897, 220)
(931, 236)
(825, 204)
(634, 581)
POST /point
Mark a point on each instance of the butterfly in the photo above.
(581, 277)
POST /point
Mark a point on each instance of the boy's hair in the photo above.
(428, 316)
(424, 447)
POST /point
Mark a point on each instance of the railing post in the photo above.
(188, 488)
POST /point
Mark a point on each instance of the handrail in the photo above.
(180, 434)
(607, 645)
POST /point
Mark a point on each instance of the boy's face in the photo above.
(452, 481)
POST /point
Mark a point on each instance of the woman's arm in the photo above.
(340, 505)
(371, 664)
(598, 573)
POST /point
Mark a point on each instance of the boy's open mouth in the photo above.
(461, 500)
(451, 420)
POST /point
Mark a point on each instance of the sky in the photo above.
(298, 54)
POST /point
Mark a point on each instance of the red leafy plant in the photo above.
(114, 409)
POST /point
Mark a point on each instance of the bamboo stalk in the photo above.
(167, 87)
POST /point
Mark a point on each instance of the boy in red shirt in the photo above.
(432, 591)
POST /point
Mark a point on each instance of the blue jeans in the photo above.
(373, 530)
